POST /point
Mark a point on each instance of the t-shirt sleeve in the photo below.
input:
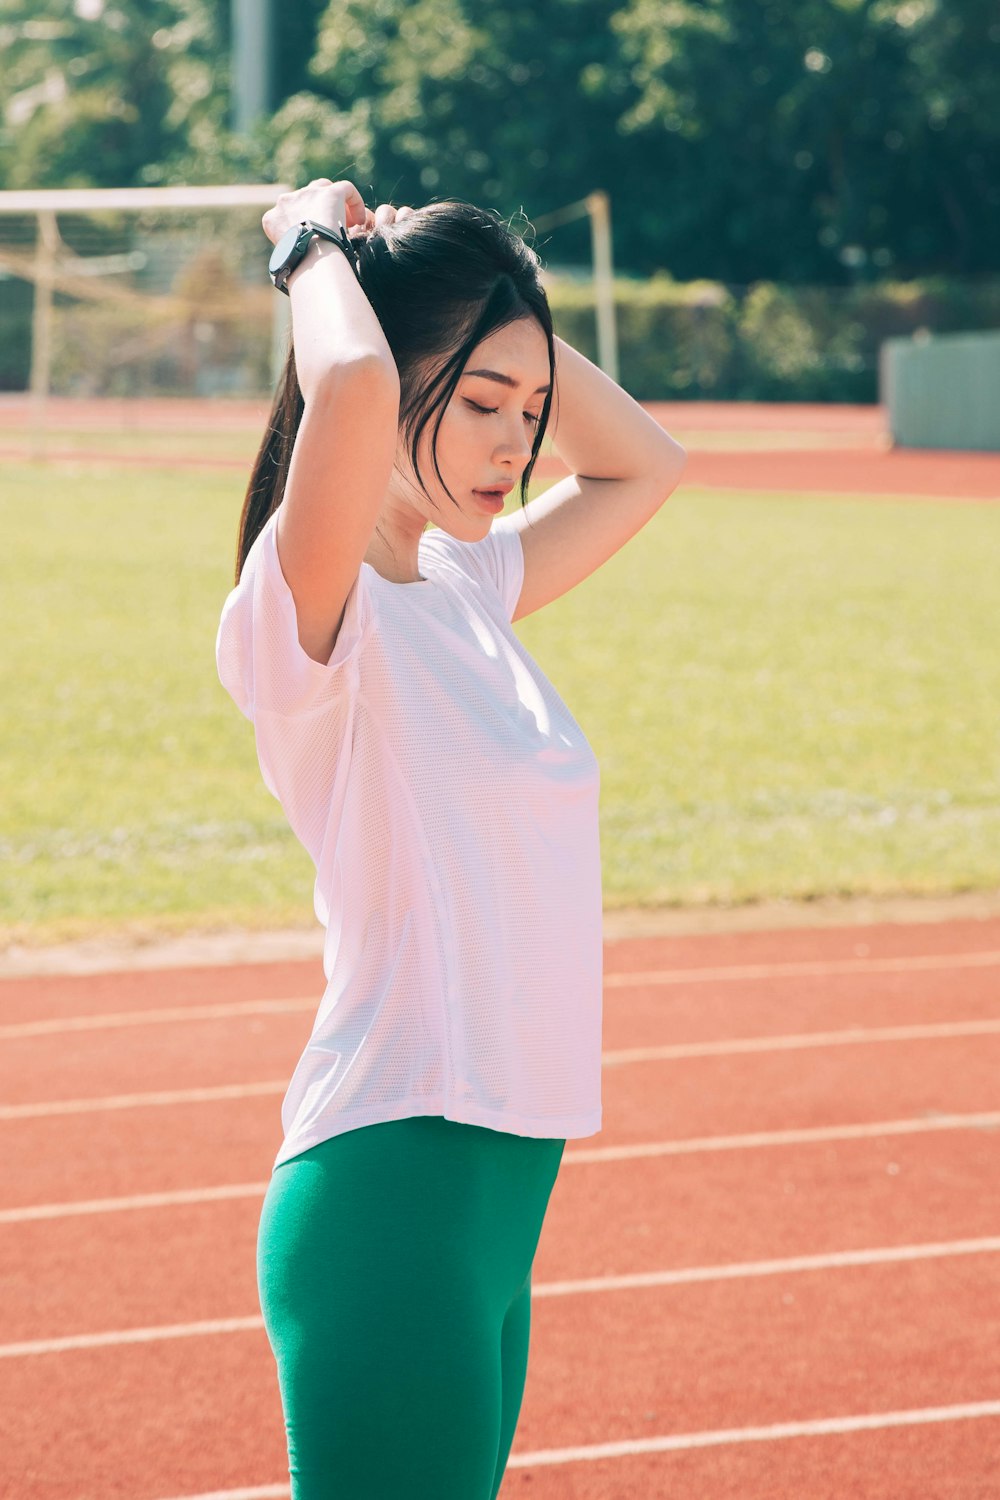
(496, 563)
(302, 710)
(260, 660)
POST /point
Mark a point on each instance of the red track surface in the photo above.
(884, 1162)
(859, 459)
(825, 1094)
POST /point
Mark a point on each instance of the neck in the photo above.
(393, 556)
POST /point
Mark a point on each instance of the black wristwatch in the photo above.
(294, 243)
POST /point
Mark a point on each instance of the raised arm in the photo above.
(346, 442)
(624, 466)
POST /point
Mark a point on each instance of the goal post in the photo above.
(137, 291)
(163, 292)
(596, 206)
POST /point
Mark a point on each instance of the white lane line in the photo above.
(733, 1047)
(258, 1492)
(698, 1144)
(801, 969)
(614, 980)
(138, 1200)
(742, 1270)
(870, 1422)
(131, 1336)
(140, 1101)
(684, 1441)
(853, 1036)
(684, 1276)
(108, 1019)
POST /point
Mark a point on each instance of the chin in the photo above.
(469, 523)
(472, 529)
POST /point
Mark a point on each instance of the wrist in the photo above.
(320, 249)
(316, 250)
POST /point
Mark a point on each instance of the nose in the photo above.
(515, 443)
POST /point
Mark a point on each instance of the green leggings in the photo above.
(394, 1269)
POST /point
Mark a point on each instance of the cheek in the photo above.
(461, 433)
(454, 443)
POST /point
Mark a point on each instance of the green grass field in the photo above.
(788, 697)
(143, 442)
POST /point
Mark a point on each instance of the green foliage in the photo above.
(827, 142)
(704, 341)
(814, 142)
(675, 340)
(103, 93)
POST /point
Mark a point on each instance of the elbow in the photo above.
(368, 372)
(677, 454)
(670, 468)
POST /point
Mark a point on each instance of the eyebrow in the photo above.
(505, 380)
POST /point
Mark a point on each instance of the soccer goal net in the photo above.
(138, 292)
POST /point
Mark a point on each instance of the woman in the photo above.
(449, 801)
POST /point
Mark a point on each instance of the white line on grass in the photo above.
(685, 1441)
(585, 1156)
(684, 1276)
(49, 1026)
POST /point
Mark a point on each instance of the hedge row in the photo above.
(704, 341)
(677, 341)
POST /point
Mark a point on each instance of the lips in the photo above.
(496, 489)
(491, 500)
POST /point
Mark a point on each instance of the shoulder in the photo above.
(494, 564)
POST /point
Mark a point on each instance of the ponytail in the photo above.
(270, 471)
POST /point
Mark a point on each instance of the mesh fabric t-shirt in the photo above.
(449, 801)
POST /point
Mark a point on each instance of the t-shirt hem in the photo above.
(548, 1127)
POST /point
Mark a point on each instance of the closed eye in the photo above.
(491, 411)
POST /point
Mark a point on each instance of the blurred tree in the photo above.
(826, 140)
(945, 209)
(99, 93)
(463, 98)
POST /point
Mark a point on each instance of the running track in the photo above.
(850, 448)
(773, 1273)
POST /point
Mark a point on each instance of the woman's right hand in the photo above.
(328, 203)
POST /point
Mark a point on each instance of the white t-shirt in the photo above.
(449, 801)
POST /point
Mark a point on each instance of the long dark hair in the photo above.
(440, 281)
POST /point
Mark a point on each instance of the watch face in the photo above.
(283, 249)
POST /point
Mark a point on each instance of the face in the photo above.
(487, 431)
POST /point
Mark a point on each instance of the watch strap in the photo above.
(308, 230)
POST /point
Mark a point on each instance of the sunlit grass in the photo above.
(787, 696)
(790, 697)
(226, 442)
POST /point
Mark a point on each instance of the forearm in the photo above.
(333, 323)
(597, 429)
